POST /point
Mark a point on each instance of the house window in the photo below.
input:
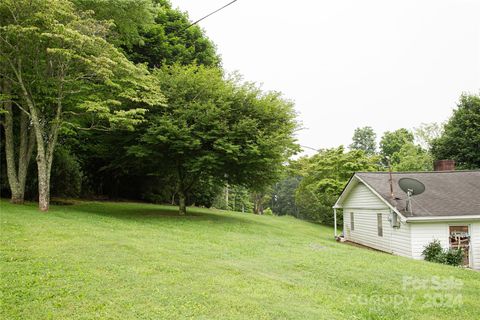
(460, 239)
(379, 224)
(352, 222)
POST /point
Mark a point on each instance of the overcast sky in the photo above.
(349, 63)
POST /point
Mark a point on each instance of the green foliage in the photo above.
(364, 139)
(426, 133)
(283, 196)
(324, 177)
(453, 257)
(153, 32)
(67, 176)
(460, 140)
(167, 41)
(73, 65)
(239, 199)
(217, 129)
(268, 212)
(129, 18)
(411, 157)
(435, 253)
(392, 142)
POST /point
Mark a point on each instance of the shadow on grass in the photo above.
(147, 212)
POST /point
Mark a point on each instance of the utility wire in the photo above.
(212, 13)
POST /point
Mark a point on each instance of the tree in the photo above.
(364, 139)
(283, 196)
(412, 158)
(460, 140)
(392, 142)
(19, 142)
(214, 129)
(153, 32)
(324, 176)
(129, 17)
(59, 61)
(160, 41)
(170, 39)
(426, 133)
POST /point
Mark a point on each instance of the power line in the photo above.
(212, 13)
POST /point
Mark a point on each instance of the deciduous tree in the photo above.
(460, 140)
(392, 141)
(324, 176)
(364, 139)
(59, 61)
(217, 129)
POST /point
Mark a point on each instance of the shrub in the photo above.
(268, 212)
(453, 257)
(435, 253)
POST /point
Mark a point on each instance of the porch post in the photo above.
(335, 221)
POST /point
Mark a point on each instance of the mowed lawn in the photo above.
(97, 260)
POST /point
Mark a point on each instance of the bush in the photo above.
(268, 212)
(453, 257)
(435, 253)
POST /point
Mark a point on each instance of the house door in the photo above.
(460, 239)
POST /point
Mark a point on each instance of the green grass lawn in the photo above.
(138, 261)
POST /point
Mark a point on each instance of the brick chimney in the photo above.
(444, 165)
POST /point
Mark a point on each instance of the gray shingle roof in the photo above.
(447, 193)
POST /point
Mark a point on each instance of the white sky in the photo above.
(348, 63)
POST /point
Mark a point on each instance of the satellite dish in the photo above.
(412, 187)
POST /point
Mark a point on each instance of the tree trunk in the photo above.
(45, 149)
(43, 186)
(258, 203)
(17, 163)
(182, 200)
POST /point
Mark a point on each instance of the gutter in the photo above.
(443, 218)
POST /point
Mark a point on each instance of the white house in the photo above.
(448, 210)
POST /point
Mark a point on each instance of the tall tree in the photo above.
(152, 32)
(364, 139)
(460, 140)
(324, 176)
(412, 157)
(392, 142)
(160, 41)
(214, 129)
(426, 133)
(19, 141)
(129, 18)
(60, 62)
(171, 39)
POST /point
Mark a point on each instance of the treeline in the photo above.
(123, 99)
(311, 185)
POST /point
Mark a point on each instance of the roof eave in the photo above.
(444, 218)
(403, 218)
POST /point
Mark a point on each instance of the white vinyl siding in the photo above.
(424, 233)
(362, 197)
(401, 244)
(409, 239)
(475, 244)
(379, 225)
(366, 206)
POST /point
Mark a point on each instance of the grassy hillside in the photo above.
(140, 261)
